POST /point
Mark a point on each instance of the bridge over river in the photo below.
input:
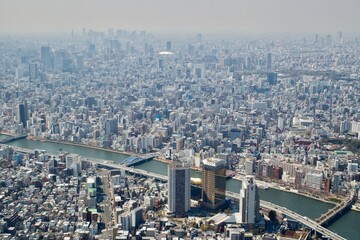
(312, 224)
(338, 210)
(325, 233)
(12, 138)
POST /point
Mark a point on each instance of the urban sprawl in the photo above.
(277, 112)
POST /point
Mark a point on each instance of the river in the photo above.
(347, 226)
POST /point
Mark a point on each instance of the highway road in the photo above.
(106, 203)
(304, 220)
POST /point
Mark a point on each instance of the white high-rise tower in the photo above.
(249, 201)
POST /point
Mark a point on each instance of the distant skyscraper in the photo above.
(45, 52)
(298, 178)
(248, 63)
(268, 61)
(168, 46)
(161, 64)
(91, 50)
(22, 114)
(339, 38)
(213, 183)
(80, 61)
(199, 70)
(111, 126)
(33, 71)
(179, 188)
(249, 201)
(272, 78)
(281, 122)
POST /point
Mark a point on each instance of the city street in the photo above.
(106, 202)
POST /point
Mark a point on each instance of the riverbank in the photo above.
(303, 205)
(261, 184)
(103, 149)
(86, 146)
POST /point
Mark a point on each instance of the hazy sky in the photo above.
(206, 16)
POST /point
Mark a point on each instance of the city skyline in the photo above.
(179, 119)
(227, 17)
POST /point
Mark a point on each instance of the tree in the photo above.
(272, 215)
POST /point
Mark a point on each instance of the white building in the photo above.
(352, 168)
(314, 180)
(249, 201)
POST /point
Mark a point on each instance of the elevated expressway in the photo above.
(315, 225)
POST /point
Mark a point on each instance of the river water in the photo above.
(348, 226)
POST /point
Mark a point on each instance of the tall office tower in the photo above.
(298, 178)
(91, 49)
(268, 61)
(213, 183)
(168, 46)
(45, 53)
(22, 114)
(316, 38)
(248, 63)
(80, 61)
(339, 37)
(111, 126)
(281, 122)
(161, 64)
(272, 78)
(33, 71)
(199, 70)
(179, 188)
(188, 73)
(249, 201)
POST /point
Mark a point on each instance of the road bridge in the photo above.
(13, 138)
(106, 163)
(338, 210)
(312, 224)
(135, 160)
(325, 233)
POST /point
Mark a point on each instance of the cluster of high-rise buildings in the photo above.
(213, 191)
